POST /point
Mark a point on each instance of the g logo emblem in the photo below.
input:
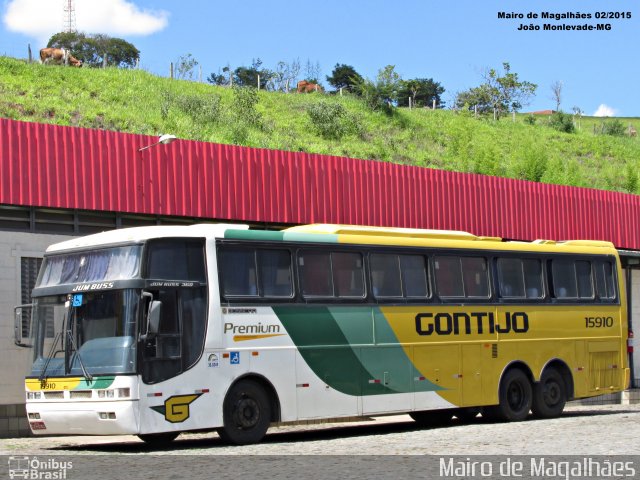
(176, 408)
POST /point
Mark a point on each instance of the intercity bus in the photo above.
(154, 331)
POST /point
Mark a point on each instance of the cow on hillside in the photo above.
(308, 87)
(58, 56)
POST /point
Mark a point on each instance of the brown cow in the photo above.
(59, 56)
(308, 87)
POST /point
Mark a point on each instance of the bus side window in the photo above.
(448, 276)
(605, 285)
(474, 274)
(414, 276)
(348, 274)
(583, 275)
(238, 269)
(533, 283)
(385, 275)
(274, 269)
(315, 274)
(510, 278)
(565, 284)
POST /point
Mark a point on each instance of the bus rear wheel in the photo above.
(246, 413)
(515, 396)
(549, 395)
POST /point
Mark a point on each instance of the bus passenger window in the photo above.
(476, 280)
(533, 278)
(274, 267)
(238, 269)
(605, 285)
(315, 274)
(448, 276)
(511, 278)
(583, 274)
(414, 276)
(348, 274)
(385, 275)
(564, 279)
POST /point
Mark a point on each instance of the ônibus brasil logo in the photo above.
(37, 469)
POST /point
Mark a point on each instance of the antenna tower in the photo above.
(69, 24)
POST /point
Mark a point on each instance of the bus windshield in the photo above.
(115, 263)
(85, 334)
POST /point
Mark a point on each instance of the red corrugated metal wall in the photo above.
(76, 168)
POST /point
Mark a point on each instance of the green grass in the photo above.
(139, 102)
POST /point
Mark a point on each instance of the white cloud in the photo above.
(42, 18)
(605, 111)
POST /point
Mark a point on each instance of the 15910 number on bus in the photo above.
(598, 322)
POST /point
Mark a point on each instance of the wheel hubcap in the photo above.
(515, 396)
(551, 393)
(247, 413)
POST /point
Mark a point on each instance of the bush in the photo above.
(331, 120)
(530, 119)
(245, 100)
(201, 108)
(614, 128)
(563, 122)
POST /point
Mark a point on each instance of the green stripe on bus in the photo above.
(275, 236)
(266, 235)
(95, 383)
(338, 344)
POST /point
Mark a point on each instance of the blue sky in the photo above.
(451, 41)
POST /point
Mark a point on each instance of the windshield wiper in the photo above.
(52, 352)
(87, 375)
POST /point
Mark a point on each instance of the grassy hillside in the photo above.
(136, 101)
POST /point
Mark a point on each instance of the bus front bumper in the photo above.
(86, 418)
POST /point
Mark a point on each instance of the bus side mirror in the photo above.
(153, 317)
(18, 317)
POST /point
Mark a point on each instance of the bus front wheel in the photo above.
(515, 396)
(246, 413)
(549, 395)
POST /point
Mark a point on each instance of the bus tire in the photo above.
(158, 439)
(432, 418)
(549, 395)
(515, 397)
(246, 413)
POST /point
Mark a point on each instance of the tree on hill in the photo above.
(383, 93)
(499, 93)
(98, 49)
(344, 76)
(243, 76)
(422, 91)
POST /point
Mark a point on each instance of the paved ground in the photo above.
(581, 430)
(384, 448)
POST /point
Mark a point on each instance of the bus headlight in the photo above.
(121, 393)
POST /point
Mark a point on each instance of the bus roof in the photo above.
(140, 234)
(329, 233)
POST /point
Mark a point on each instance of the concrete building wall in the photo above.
(15, 360)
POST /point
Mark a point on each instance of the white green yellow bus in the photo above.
(154, 331)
